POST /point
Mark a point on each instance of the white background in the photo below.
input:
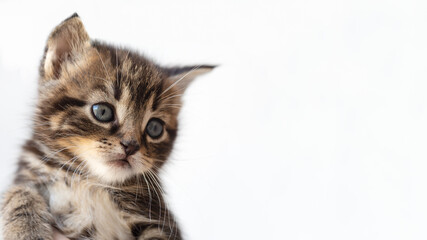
(313, 126)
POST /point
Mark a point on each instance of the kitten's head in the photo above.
(108, 112)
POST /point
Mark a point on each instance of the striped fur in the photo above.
(69, 177)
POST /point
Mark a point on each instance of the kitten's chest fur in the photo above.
(83, 211)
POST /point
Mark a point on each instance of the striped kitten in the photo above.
(106, 121)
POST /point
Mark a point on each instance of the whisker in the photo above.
(160, 202)
(100, 58)
(100, 78)
(179, 80)
(172, 95)
(149, 195)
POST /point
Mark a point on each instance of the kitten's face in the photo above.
(111, 113)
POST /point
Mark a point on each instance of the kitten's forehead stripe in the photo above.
(117, 87)
(116, 63)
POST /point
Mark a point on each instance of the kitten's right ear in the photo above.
(65, 43)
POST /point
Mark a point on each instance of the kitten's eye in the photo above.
(102, 112)
(154, 128)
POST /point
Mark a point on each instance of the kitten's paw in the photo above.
(25, 215)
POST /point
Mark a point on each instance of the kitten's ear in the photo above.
(65, 42)
(181, 77)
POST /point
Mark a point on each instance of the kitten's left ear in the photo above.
(181, 77)
(65, 43)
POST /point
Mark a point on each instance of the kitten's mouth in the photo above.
(121, 163)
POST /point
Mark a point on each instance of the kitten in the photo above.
(105, 123)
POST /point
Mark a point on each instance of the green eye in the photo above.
(103, 112)
(154, 128)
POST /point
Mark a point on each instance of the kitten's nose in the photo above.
(130, 146)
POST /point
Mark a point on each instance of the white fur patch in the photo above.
(86, 205)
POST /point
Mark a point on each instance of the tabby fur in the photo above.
(68, 179)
